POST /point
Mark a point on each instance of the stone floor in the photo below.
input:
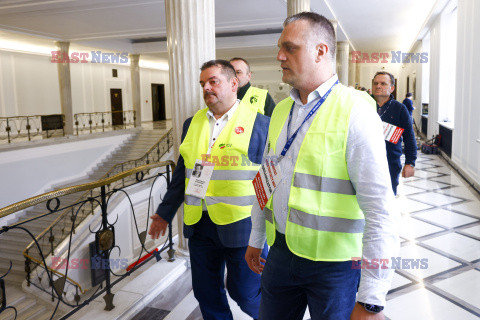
(440, 223)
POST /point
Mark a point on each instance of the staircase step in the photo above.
(22, 307)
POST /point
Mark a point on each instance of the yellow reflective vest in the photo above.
(230, 192)
(325, 222)
(255, 98)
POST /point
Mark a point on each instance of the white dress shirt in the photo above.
(368, 170)
(216, 126)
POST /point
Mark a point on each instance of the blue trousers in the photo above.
(395, 168)
(290, 283)
(208, 258)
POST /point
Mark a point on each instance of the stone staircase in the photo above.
(13, 242)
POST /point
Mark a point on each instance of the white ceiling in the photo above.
(369, 25)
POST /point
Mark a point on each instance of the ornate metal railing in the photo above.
(28, 127)
(49, 238)
(58, 284)
(101, 121)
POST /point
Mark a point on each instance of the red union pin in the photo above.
(239, 130)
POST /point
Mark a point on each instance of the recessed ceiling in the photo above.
(369, 25)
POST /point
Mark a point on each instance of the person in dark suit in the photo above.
(407, 102)
(218, 225)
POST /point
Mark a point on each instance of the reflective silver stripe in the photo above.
(322, 223)
(229, 174)
(192, 201)
(268, 214)
(308, 181)
(236, 201)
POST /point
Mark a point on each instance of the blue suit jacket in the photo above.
(231, 235)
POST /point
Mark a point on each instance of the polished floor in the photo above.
(440, 224)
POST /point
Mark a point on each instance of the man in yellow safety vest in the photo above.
(258, 98)
(333, 203)
(227, 140)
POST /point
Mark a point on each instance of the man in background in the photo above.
(394, 113)
(258, 98)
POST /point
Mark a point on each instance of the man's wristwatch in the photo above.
(371, 307)
(411, 165)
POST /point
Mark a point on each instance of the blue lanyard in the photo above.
(309, 115)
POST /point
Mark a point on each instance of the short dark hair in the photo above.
(321, 26)
(227, 69)
(392, 78)
(409, 94)
(241, 59)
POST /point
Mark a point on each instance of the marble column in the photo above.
(297, 6)
(342, 61)
(135, 79)
(352, 70)
(65, 86)
(357, 73)
(190, 42)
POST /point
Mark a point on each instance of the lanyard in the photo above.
(384, 111)
(309, 115)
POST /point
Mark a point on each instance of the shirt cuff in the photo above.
(373, 291)
(257, 239)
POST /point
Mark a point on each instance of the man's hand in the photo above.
(159, 225)
(408, 171)
(254, 261)
(359, 313)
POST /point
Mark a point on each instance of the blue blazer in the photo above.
(231, 235)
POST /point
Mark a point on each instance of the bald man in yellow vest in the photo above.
(257, 98)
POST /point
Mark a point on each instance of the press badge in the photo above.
(267, 179)
(391, 133)
(200, 178)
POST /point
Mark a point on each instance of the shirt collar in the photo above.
(228, 115)
(317, 93)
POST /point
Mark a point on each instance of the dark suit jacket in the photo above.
(232, 235)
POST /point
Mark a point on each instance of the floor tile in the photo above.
(423, 304)
(427, 184)
(460, 192)
(452, 179)
(412, 228)
(440, 169)
(426, 174)
(404, 189)
(423, 165)
(399, 281)
(456, 245)
(465, 286)
(471, 207)
(436, 262)
(408, 206)
(474, 231)
(435, 199)
(446, 218)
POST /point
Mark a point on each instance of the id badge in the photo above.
(199, 180)
(267, 179)
(391, 133)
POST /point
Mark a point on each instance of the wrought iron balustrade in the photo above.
(39, 267)
(28, 127)
(101, 121)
